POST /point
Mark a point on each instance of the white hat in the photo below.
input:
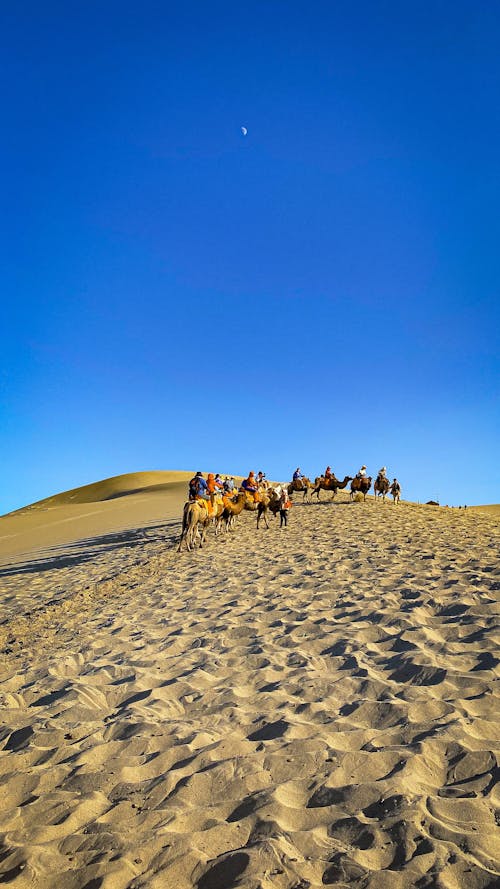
(363, 466)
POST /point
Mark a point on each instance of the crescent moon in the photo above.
(244, 131)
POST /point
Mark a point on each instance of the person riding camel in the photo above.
(362, 472)
(198, 488)
(212, 488)
(250, 485)
(328, 473)
(261, 477)
(382, 473)
(297, 474)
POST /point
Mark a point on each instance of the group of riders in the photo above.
(215, 487)
(207, 489)
(201, 489)
(394, 488)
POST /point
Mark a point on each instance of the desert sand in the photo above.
(294, 708)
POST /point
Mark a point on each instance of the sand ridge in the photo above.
(298, 708)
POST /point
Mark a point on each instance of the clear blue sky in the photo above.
(323, 290)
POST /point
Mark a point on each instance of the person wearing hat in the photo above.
(297, 474)
(328, 473)
(382, 472)
(198, 487)
(395, 489)
(250, 485)
(362, 472)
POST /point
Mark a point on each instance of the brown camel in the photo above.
(381, 487)
(233, 506)
(396, 491)
(259, 506)
(330, 484)
(301, 484)
(362, 485)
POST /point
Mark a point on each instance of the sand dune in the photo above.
(289, 709)
(113, 505)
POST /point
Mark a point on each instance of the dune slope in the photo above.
(297, 708)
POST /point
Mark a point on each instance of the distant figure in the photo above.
(228, 485)
(362, 472)
(328, 472)
(285, 505)
(297, 474)
(198, 488)
(396, 490)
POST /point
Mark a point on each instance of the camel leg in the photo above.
(185, 530)
(261, 511)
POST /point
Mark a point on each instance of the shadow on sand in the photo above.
(86, 550)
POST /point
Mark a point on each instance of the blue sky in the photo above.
(322, 290)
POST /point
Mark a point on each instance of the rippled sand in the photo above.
(297, 708)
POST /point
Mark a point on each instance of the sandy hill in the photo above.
(117, 486)
(109, 506)
(285, 709)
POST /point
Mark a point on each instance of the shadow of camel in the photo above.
(86, 550)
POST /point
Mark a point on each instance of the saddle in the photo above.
(210, 507)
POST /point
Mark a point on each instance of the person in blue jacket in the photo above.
(198, 487)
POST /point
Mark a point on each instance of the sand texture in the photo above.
(280, 710)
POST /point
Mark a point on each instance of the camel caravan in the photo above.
(219, 502)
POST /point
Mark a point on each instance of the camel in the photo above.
(195, 513)
(381, 487)
(396, 491)
(362, 485)
(233, 506)
(301, 484)
(259, 506)
(330, 484)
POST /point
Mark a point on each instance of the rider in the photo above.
(211, 483)
(328, 473)
(198, 488)
(261, 477)
(382, 473)
(362, 472)
(297, 474)
(250, 485)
